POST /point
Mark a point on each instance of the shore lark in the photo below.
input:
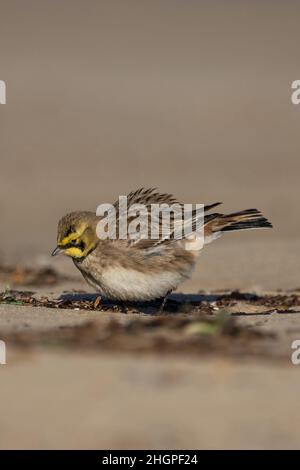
(141, 269)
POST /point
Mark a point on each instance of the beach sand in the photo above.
(193, 98)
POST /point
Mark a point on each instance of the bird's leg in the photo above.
(162, 305)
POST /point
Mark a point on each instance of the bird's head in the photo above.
(76, 235)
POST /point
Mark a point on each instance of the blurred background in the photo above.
(190, 96)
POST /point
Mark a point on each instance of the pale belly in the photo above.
(125, 284)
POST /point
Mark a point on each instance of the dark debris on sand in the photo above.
(175, 335)
(192, 325)
(185, 304)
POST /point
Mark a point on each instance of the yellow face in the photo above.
(74, 244)
(75, 240)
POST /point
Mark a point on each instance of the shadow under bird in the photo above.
(142, 269)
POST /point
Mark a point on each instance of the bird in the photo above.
(143, 269)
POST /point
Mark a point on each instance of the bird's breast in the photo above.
(129, 284)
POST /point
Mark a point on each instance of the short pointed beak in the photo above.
(57, 251)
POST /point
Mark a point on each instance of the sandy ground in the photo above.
(50, 400)
(191, 97)
(57, 394)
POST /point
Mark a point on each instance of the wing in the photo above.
(144, 239)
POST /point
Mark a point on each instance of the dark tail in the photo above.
(247, 219)
(250, 218)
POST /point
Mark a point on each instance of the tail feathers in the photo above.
(247, 219)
